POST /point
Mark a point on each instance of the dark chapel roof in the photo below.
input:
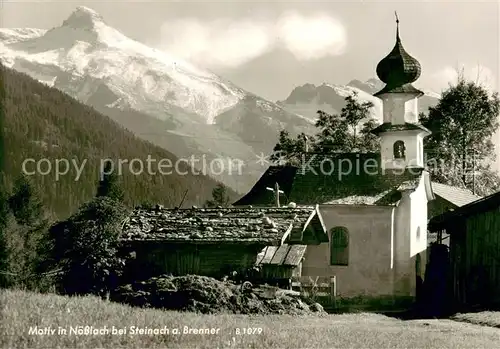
(341, 178)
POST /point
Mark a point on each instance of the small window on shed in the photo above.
(339, 246)
(399, 150)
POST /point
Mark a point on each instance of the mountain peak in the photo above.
(83, 18)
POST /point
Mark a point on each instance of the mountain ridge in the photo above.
(101, 67)
(45, 124)
(162, 99)
(308, 98)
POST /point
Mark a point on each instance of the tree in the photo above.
(25, 202)
(109, 185)
(369, 142)
(219, 197)
(25, 227)
(288, 149)
(84, 248)
(336, 133)
(333, 133)
(353, 112)
(460, 148)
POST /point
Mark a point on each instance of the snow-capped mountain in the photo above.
(85, 50)
(9, 36)
(307, 99)
(186, 109)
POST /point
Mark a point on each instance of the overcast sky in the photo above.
(270, 47)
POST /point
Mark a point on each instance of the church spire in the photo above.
(398, 69)
(401, 134)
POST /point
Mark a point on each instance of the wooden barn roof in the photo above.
(326, 178)
(456, 196)
(268, 226)
(456, 216)
(289, 255)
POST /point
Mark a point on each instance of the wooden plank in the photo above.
(323, 280)
(271, 271)
(295, 255)
(280, 255)
(261, 255)
(333, 285)
(309, 286)
(496, 257)
(271, 250)
(310, 280)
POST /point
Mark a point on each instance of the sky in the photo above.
(270, 47)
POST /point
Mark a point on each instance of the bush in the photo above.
(84, 248)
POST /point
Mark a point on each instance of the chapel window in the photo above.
(399, 150)
(339, 246)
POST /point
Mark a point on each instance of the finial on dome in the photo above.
(397, 26)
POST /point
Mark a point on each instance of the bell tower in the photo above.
(401, 134)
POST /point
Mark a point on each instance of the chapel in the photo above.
(373, 205)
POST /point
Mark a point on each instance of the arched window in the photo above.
(339, 246)
(399, 150)
(418, 234)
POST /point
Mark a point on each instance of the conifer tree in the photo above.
(25, 202)
(25, 234)
(219, 197)
(109, 185)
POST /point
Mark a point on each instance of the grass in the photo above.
(485, 318)
(20, 310)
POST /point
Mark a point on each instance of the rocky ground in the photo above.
(207, 295)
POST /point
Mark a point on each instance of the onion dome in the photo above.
(398, 69)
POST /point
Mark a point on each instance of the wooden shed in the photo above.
(281, 262)
(474, 251)
(213, 242)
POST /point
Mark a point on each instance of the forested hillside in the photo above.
(44, 123)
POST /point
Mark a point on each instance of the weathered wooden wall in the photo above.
(270, 271)
(215, 260)
(475, 259)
